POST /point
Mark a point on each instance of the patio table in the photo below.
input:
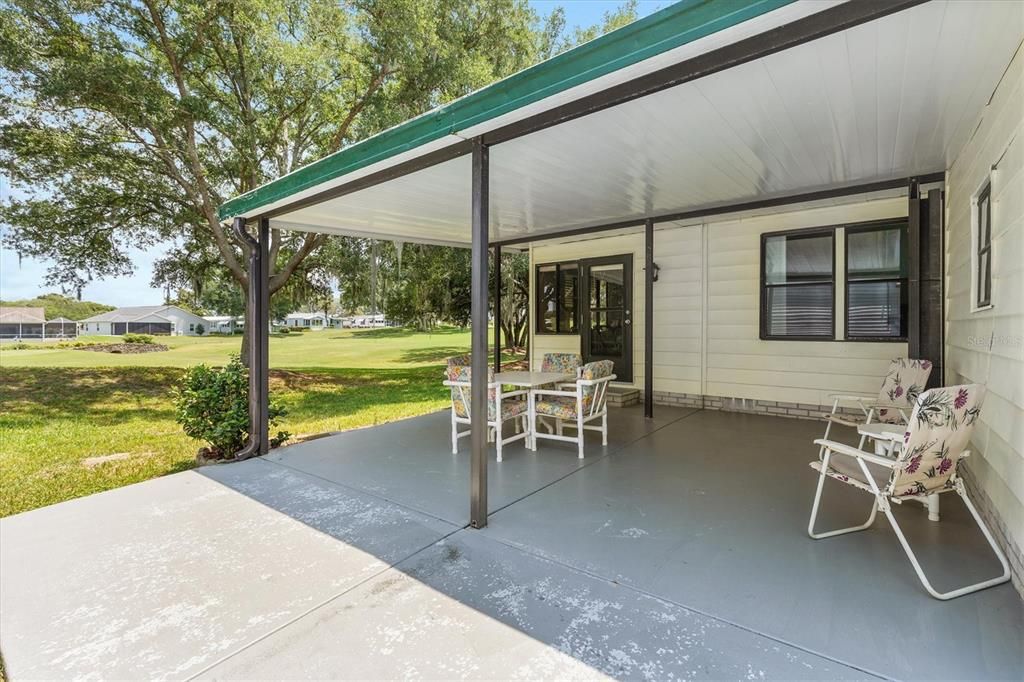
(531, 380)
(882, 434)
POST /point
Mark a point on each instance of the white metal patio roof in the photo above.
(886, 99)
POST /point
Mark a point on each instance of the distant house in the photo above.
(317, 320)
(61, 328)
(21, 323)
(362, 321)
(164, 320)
(223, 324)
(17, 322)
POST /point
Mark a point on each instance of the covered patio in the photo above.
(702, 117)
(676, 551)
(679, 145)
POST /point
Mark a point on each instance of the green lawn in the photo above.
(61, 409)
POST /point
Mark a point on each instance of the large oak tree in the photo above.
(127, 122)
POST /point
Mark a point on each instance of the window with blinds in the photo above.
(876, 282)
(798, 285)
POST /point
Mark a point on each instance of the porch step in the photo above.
(623, 396)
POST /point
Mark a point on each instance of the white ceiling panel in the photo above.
(887, 99)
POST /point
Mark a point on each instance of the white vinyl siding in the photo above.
(987, 346)
(739, 363)
(734, 362)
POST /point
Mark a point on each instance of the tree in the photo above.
(140, 117)
(58, 305)
(515, 299)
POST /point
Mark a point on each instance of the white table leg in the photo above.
(531, 410)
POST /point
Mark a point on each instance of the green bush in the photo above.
(200, 329)
(212, 405)
(284, 330)
(17, 345)
(137, 338)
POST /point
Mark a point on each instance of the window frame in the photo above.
(830, 231)
(538, 299)
(872, 226)
(982, 250)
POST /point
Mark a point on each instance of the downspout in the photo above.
(252, 448)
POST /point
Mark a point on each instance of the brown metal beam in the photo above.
(649, 319)
(754, 205)
(478, 315)
(497, 308)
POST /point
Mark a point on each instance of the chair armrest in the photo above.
(514, 394)
(886, 436)
(844, 449)
(546, 391)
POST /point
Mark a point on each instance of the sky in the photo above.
(25, 278)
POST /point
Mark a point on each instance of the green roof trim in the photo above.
(666, 29)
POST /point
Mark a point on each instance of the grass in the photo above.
(76, 422)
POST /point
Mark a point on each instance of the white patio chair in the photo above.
(575, 407)
(937, 435)
(901, 386)
(566, 363)
(501, 406)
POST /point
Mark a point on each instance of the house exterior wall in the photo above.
(185, 323)
(987, 346)
(96, 328)
(707, 315)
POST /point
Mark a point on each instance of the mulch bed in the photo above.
(125, 347)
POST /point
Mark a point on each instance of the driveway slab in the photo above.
(163, 578)
(470, 607)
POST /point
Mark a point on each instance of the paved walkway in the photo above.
(347, 557)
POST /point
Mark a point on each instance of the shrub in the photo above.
(17, 345)
(137, 338)
(212, 405)
(200, 329)
(284, 330)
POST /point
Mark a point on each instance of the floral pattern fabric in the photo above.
(557, 406)
(459, 370)
(901, 387)
(591, 371)
(937, 435)
(564, 407)
(566, 363)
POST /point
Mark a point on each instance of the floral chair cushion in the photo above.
(901, 387)
(937, 434)
(557, 406)
(460, 395)
(591, 371)
(567, 363)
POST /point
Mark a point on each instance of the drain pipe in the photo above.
(252, 448)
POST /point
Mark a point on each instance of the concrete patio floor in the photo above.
(677, 551)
